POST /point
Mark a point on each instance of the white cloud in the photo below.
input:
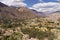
(7, 2)
(47, 7)
(16, 3)
(19, 4)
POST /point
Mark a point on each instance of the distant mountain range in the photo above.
(3, 5)
(54, 16)
(10, 12)
(23, 12)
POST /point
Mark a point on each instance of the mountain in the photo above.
(54, 16)
(7, 12)
(3, 5)
(40, 14)
(10, 12)
(25, 12)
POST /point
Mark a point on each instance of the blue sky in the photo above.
(50, 0)
(31, 2)
(38, 5)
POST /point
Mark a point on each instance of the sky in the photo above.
(38, 5)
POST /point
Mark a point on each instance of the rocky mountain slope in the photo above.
(54, 16)
(10, 12)
(37, 28)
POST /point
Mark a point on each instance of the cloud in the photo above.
(7, 2)
(16, 3)
(19, 4)
(46, 7)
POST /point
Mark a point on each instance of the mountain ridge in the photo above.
(10, 12)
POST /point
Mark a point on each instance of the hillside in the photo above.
(10, 12)
(54, 16)
(27, 13)
(22, 23)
